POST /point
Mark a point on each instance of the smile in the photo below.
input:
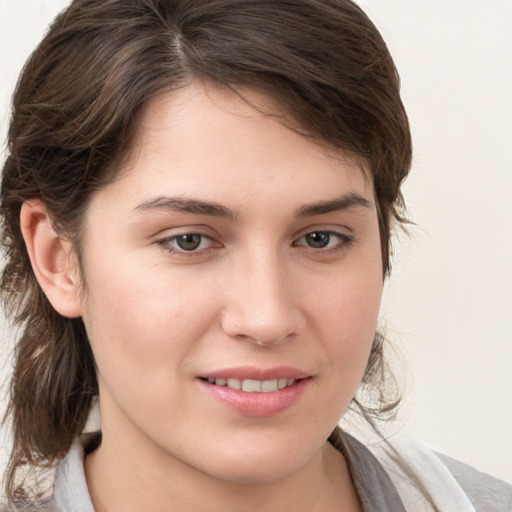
(256, 392)
(253, 386)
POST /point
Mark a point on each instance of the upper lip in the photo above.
(254, 373)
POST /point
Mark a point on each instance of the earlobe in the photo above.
(52, 260)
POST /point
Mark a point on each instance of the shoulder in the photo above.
(69, 488)
(428, 481)
(46, 506)
(487, 493)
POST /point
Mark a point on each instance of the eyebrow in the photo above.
(199, 207)
(341, 203)
(194, 206)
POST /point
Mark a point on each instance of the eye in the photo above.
(187, 242)
(324, 240)
(318, 239)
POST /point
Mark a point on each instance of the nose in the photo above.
(262, 306)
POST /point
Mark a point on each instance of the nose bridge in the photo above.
(261, 306)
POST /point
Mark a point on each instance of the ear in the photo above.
(52, 258)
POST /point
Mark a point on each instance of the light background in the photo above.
(448, 306)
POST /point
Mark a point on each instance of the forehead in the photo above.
(204, 138)
(193, 111)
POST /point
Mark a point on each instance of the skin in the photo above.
(254, 293)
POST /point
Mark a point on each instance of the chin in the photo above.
(259, 465)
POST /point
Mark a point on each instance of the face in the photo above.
(231, 253)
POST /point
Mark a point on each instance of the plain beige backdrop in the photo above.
(448, 305)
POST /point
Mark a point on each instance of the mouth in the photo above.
(259, 393)
(253, 385)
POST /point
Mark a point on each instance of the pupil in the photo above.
(189, 242)
(318, 239)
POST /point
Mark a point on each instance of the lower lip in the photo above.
(258, 405)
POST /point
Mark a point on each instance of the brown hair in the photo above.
(75, 109)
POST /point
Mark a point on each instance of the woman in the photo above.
(197, 209)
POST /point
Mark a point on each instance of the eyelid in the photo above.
(166, 237)
(344, 239)
(339, 230)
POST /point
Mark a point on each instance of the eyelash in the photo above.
(343, 242)
(166, 243)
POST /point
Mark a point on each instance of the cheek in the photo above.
(347, 316)
(351, 301)
(140, 323)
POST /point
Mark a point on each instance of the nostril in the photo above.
(262, 318)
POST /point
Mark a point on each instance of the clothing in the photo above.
(382, 484)
(426, 481)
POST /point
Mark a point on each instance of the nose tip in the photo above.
(262, 310)
(261, 327)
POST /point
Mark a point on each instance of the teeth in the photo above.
(269, 385)
(234, 383)
(253, 386)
